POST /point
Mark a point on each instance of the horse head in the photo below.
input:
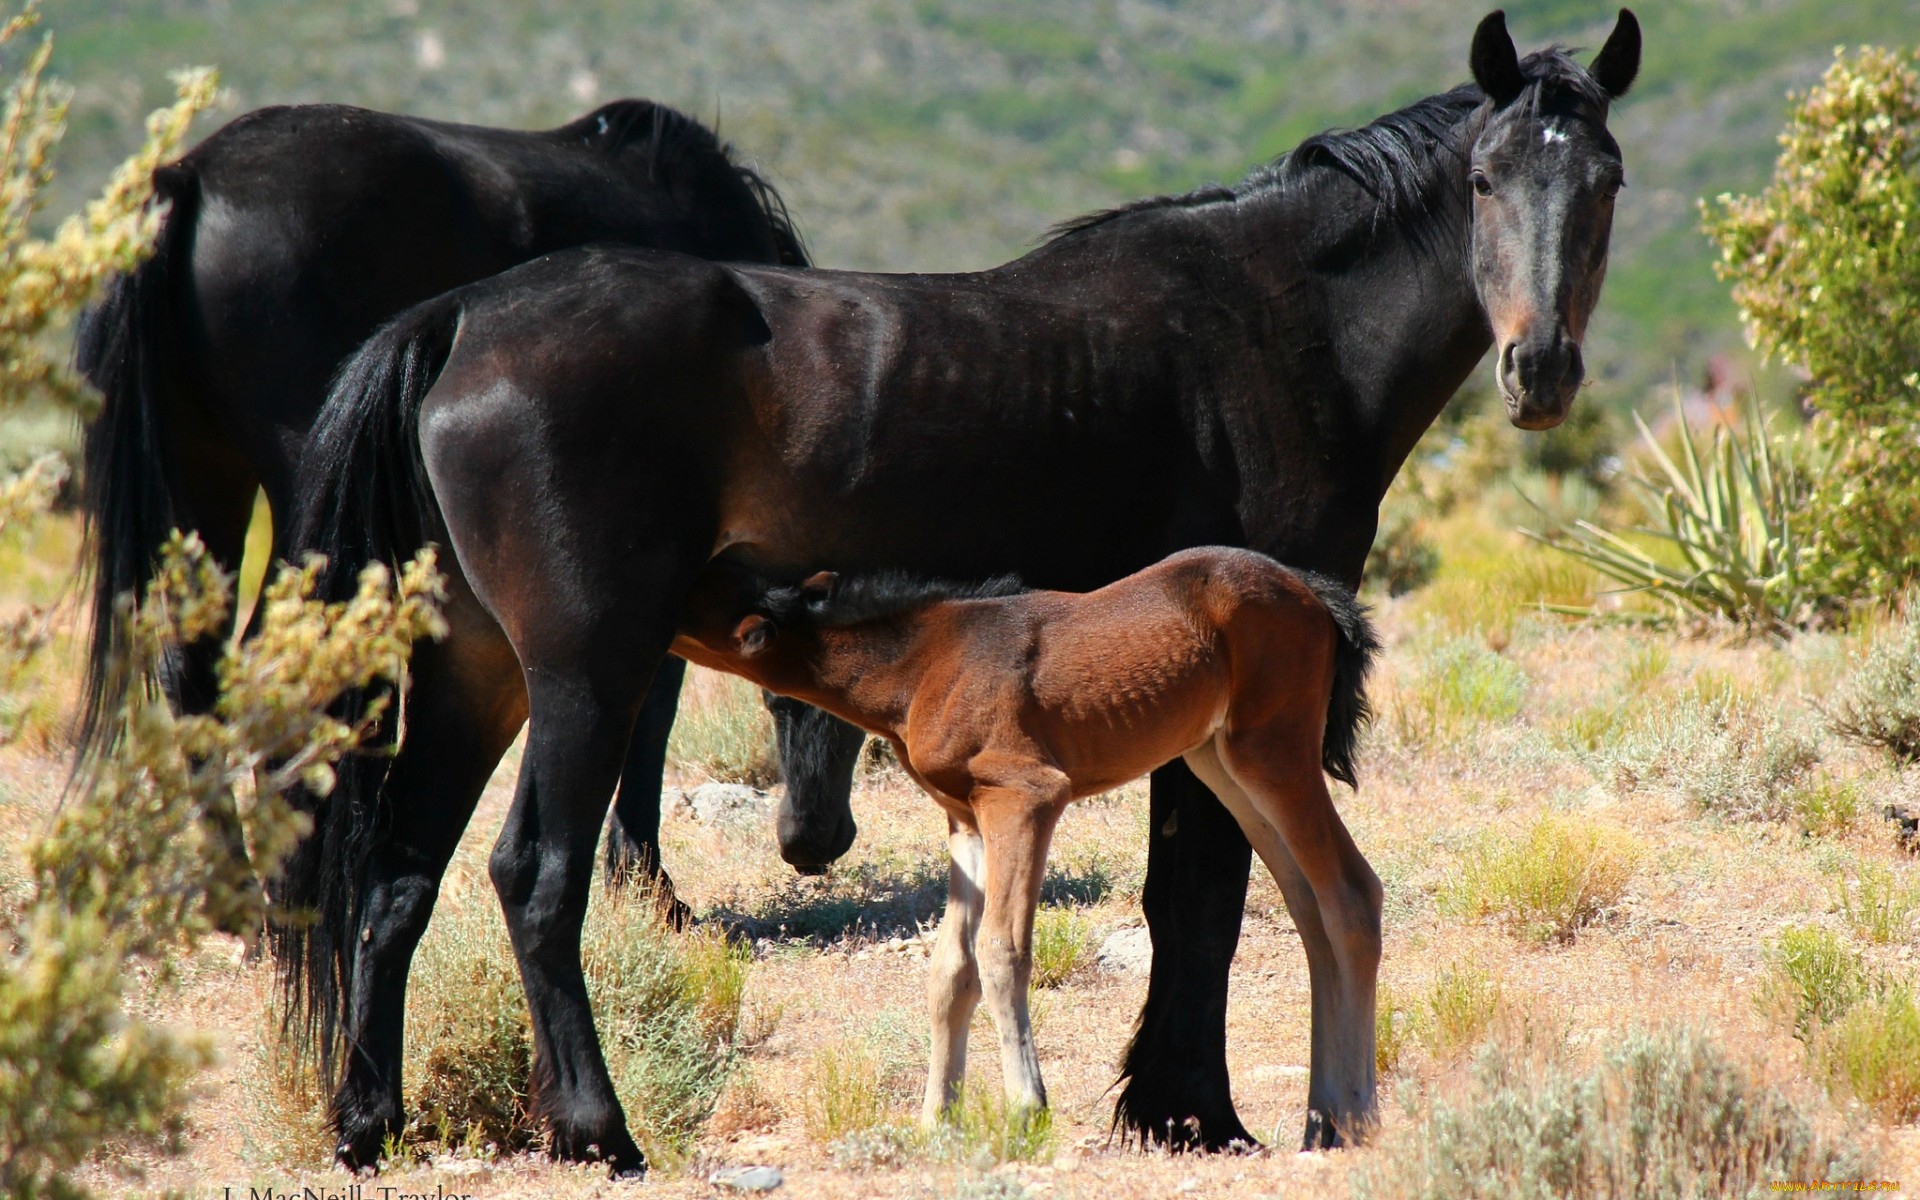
(1544, 172)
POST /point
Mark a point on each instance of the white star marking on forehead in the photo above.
(1552, 133)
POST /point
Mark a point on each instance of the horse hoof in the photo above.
(1321, 1133)
(360, 1135)
(616, 1149)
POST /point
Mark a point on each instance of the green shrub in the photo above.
(723, 731)
(1394, 1028)
(668, 1008)
(1878, 904)
(1458, 686)
(980, 1128)
(469, 1046)
(1813, 978)
(1062, 944)
(1404, 556)
(1726, 754)
(1557, 876)
(1825, 266)
(1825, 805)
(1663, 1115)
(847, 1094)
(1878, 703)
(1459, 1010)
(1873, 1053)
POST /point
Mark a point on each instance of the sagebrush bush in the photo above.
(668, 1008)
(1872, 1053)
(723, 731)
(1663, 1115)
(1813, 978)
(1726, 754)
(1878, 703)
(1558, 875)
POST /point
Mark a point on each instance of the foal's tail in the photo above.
(127, 498)
(363, 498)
(1348, 712)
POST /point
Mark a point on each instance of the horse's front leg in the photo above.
(542, 867)
(1017, 824)
(953, 984)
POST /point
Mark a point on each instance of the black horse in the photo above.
(293, 233)
(1245, 366)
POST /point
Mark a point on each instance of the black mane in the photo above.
(859, 599)
(672, 138)
(1392, 156)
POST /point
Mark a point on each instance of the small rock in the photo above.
(1126, 951)
(748, 1179)
(728, 803)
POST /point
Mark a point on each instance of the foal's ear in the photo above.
(753, 634)
(819, 585)
(1619, 60)
(1496, 64)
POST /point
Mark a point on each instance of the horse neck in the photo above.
(1395, 300)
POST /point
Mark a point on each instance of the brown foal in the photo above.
(1005, 705)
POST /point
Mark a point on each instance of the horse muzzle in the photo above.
(1539, 379)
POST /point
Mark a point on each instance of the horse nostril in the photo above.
(1576, 367)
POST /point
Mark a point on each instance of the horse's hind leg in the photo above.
(1017, 823)
(542, 868)
(1277, 773)
(463, 710)
(953, 982)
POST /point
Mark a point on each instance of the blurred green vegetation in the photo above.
(949, 134)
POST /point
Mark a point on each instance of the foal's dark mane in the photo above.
(859, 599)
(1393, 157)
(671, 137)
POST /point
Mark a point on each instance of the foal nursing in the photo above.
(1005, 705)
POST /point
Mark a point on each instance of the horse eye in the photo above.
(1482, 186)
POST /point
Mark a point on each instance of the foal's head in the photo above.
(1544, 172)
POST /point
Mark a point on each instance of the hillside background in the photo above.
(949, 134)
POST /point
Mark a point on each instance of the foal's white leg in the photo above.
(1334, 898)
(953, 988)
(1018, 825)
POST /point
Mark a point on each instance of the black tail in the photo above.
(1348, 712)
(363, 498)
(120, 348)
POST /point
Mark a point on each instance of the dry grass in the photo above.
(822, 1069)
(1548, 881)
(723, 732)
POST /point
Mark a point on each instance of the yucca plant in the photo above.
(1726, 516)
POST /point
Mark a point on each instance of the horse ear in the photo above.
(1619, 60)
(753, 634)
(1496, 64)
(819, 585)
